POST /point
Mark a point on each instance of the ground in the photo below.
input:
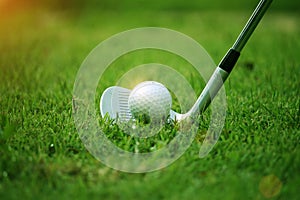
(42, 156)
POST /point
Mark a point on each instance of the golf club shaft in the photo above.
(230, 59)
(251, 24)
(228, 62)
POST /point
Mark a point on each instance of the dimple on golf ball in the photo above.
(150, 100)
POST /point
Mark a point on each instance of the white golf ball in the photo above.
(150, 100)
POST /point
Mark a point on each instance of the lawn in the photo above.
(42, 157)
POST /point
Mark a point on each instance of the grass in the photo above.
(42, 157)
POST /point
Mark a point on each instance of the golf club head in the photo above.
(114, 102)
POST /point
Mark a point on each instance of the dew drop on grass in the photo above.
(51, 149)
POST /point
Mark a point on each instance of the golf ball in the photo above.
(150, 100)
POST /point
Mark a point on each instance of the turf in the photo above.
(42, 157)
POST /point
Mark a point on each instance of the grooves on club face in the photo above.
(114, 101)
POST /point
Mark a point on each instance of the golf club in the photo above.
(114, 100)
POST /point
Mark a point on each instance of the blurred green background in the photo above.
(135, 5)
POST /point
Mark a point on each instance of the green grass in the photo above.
(42, 157)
